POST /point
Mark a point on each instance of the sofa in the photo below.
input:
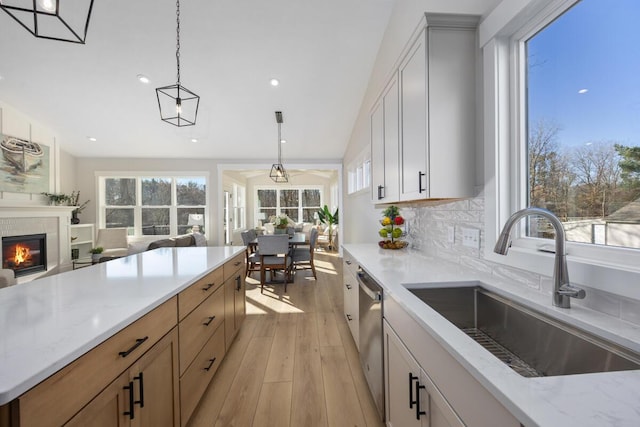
(185, 240)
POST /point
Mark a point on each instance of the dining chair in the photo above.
(251, 254)
(303, 256)
(274, 255)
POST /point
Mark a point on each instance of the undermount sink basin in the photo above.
(529, 342)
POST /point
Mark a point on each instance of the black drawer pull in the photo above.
(211, 362)
(140, 389)
(348, 262)
(131, 402)
(138, 343)
(208, 322)
(380, 190)
(238, 283)
(420, 175)
(349, 318)
(237, 263)
(209, 286)
(411, 400)
(418, 411)
(348, 286)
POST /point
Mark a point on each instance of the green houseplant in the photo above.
(326, 217)
(95, 253)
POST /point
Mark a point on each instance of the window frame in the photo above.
(135, 232)
(611, 269)
(359, 174)
(278, 208)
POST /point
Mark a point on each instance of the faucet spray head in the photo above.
(503, 243)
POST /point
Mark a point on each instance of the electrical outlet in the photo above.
(451, 234)
(471, 238)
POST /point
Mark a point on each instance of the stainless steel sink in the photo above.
(529, 342)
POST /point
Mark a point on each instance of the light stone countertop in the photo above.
(49, 322)
(600, 399)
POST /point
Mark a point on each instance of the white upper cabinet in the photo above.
(423, 126)
(385, 135)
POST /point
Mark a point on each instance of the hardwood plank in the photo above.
(211, 403)
(343, 405)
(281, 357)
(308, 405)
(328, 334)
(274, 405)
(240, 405)
(266, 326)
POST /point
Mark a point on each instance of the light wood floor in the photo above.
(294, 362)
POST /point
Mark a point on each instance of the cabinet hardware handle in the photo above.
(380, 192)
(138, 343)
(211, 362)
(411, 400)
(418, 411)
(208, 322)
(140, 390)
(348, 286)
(238, 284)
(209, 286)
(131, 402)
(348, 262)
(420, 175)
(349, 317)
(237, 263)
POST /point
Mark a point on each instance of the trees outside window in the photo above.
(299, 204)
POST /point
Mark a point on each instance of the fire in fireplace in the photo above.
(25, 254)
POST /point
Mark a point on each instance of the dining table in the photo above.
(295, 239)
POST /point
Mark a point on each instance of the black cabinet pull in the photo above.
(411, 400)
(209, 286)
(418, 411)
(208, 322)
(349, 317)
(237, 263)
(131, 402)
(380, 192)
(238, 284)
(138, 343)
(348, 286)
(211, 362)
(420, 175)
(140, 390)
(348, 262)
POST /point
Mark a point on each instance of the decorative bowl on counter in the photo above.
(396, 244)
(392, 229)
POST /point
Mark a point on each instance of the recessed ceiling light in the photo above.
(143, 79)
(274, 82)
(92, 139)
(283, 141)
(583, 91)
(194, 140)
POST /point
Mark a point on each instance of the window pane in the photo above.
(268, 214)
(120, 191)
(308, 214)
(291, 213)
(289, 198)
(582, 122)
(156, 191)
(119, 217)
(191, 191)
(183, 219)
(311, 198)
(155, 221)
(267, 198)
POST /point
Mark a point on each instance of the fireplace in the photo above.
(25, 254)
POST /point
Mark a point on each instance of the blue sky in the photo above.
(594, 46)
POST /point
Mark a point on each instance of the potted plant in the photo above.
(280, 224)
(74, 201)
(95, 253)
(326, 217)
(57, 199)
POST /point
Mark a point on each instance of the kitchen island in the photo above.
(51, 322)
(599, 399)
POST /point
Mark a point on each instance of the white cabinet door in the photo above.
(385, 139)
(414, 122)
(376, 121)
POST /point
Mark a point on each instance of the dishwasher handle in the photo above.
(365, 284)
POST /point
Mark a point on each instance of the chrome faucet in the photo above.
(563, 291)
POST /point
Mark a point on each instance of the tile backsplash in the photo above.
(428, 231)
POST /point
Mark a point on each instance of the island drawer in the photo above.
(198, 292)
(233, 265)
(199, 325)
(198, 376)
(59, 397)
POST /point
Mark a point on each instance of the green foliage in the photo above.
(630, 164)
(326, 217)
(97, 250)
(392, 212)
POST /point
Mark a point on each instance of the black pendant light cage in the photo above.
(278, 172)
(61, 20)
(178, 105)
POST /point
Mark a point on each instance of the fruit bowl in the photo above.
(388, 244)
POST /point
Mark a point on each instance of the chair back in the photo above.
(111, 238)
(246, 237)
(313, 238)
(273, 244)
(252, 234)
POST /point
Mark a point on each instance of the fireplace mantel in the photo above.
(22, 218)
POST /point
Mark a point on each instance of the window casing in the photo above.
(299, 203)
(151, 205)
(359, 173)
(239, 201)
(614, 270)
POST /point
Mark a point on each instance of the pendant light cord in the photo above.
(178, 38)
(279, 145)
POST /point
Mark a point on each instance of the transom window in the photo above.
(153, 205)
(299, 204)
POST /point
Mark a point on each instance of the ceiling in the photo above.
(321, 51)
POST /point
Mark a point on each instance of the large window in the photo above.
(153, 205)
(299, 204)
(239, 203)
(583, 132)
(359, 173)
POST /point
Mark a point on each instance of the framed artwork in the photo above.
(24, 165)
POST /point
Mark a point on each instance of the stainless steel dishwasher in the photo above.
(370, 308)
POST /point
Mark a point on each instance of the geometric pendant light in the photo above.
(278, 172)
(178, 105)
(61, 20)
